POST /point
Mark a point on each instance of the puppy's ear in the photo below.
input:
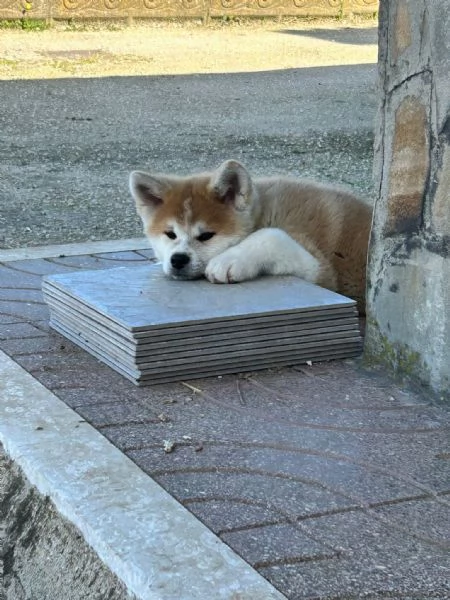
(148, 192)
(232, 184)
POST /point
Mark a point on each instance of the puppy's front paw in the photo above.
(229, 267)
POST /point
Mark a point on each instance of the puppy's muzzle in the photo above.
(179, 261)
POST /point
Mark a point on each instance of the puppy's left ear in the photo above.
(232, 184)
(148, 192)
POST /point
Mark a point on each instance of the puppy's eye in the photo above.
(205, 236)
(171, 235)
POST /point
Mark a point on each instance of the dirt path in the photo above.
(293, 98)
(159, 49)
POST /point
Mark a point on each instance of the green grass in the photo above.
(95, 25)
(25, 24)
(8, 62)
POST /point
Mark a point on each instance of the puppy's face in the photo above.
(190, 220)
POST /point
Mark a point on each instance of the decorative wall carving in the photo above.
(292, 7)
(66, 9)
(16, 9)
(289, 7)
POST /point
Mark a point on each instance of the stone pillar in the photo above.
(408, 312)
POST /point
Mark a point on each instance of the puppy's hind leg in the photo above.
(268, 251)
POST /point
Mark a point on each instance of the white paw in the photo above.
(229, 267)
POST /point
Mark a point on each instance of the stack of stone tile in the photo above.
(152, 329)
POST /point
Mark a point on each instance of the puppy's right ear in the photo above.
(148, 192)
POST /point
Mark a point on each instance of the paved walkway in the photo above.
(330, 480)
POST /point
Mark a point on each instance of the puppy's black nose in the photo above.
(179, 260)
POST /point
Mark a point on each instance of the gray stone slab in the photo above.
(144, 300)
(64, 304)
(196, 346)
(228, 354)
(325, 352)
(241, 365)
(170, 373)
(144, 297)
(207, 336)
(247, 352)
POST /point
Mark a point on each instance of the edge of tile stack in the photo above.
(152, 329)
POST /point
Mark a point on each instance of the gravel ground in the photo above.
(81, 108)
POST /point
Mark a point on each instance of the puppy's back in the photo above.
(336, 221)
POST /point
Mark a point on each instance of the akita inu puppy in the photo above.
(229, 227)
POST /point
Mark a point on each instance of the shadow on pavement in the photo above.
(346, 35)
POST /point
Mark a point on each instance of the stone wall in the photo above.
(105, 9)
(409, 267)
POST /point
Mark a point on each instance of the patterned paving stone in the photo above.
(20, 295)
(332, 480)
(361, 575)
(348, 479)
(427, 517)
(146, 253)
(14, 277)
(33, 344)
(66, 369)
(39, 266)
(300, 405)
(375, 557)
(232, 514)
(99, 394)
(289, 496)
(25, 311)
(77, 264)
(113, 414)
(99, 261)
(6, 319)
(123, 257)
(20, 331)
(266, 545)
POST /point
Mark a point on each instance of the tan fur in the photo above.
(189, 201)
(331, 224)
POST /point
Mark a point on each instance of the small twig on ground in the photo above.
(239, 391)
(191, 387)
